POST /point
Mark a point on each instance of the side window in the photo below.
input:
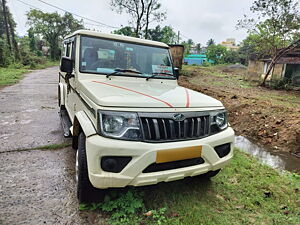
(73, 51)
(68, 50)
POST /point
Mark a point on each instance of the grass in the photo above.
(11, 75)
(43, 147)
(52, 146)
(245, 192)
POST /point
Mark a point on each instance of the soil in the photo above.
(269, 117)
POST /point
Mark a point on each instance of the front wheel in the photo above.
(85, 190)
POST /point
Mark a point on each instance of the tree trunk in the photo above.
(13, 38)
(277, 56)
(147, 18)
(6, 24)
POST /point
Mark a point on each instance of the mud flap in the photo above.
(65, 122)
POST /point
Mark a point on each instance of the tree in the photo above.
(5, 22)
(231, 57)
(198, 48)
(32, 41)
(165, 34)
(127, 31)
(141, 12)
(216, 53)
(278, 25)
(53, 27)
(210, 42)
(8, 29)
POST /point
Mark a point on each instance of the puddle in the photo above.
(277, 160)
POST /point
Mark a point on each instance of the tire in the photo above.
(210, 174)
(85, 190)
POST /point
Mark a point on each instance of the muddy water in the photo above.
(277, 160)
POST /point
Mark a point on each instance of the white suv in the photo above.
(130, 121)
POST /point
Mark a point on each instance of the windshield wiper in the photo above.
(122, 71)
(157, 74)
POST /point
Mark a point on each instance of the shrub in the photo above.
(281, 84)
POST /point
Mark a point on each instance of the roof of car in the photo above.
(118, 37)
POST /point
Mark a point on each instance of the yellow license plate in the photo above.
(169, 155)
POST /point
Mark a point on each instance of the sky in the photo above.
(199, 20)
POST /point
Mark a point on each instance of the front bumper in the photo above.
(143, 154)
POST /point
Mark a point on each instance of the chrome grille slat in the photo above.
(156, 129)
(179, 129)
(172, 129)
(192, 127)
(148, 126)
(166, 129)
(185, 127)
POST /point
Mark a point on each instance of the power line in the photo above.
(99, 24)
(103, 24)
(25, 3)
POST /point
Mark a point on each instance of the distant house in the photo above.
(230, 44)
(288, 66)
(196, 59)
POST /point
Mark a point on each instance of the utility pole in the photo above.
(178, 37)
(6, 23)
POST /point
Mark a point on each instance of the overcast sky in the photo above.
(199, 20)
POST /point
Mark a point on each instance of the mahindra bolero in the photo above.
(130, 121)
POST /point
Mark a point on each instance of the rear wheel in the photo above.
(85, 190)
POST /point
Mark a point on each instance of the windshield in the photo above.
(106, 56)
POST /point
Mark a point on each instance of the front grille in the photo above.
(156, 167)
(164, 128)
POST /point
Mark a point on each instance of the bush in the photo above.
(282, 84)
(206, 64)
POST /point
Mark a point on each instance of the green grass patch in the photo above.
(245, 192)
(52, 146)
(11, 75)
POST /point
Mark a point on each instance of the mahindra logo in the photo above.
(178, 117)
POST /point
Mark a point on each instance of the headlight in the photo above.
(219, 121)
(121, 125)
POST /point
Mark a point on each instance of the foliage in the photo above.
(165, 34)
(232, 57)
(216, 53)
(127, 208)
(9, 76)
(245, 192)
(141, 12)
(210, 42)
(14, 72)
(127, 31)
(278, 24)
(5, 56)
(53, 27)
(282, 84)
(198, 48)
(187, 46)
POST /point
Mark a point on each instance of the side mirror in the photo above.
(176, 71)
(66, 65)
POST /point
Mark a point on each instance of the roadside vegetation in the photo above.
(12, 74)
(270, 117)
(245, 192)
(38, 49)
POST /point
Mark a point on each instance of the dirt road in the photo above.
(36, 186)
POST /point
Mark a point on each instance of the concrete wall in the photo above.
(277, 72)
(255, 70)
